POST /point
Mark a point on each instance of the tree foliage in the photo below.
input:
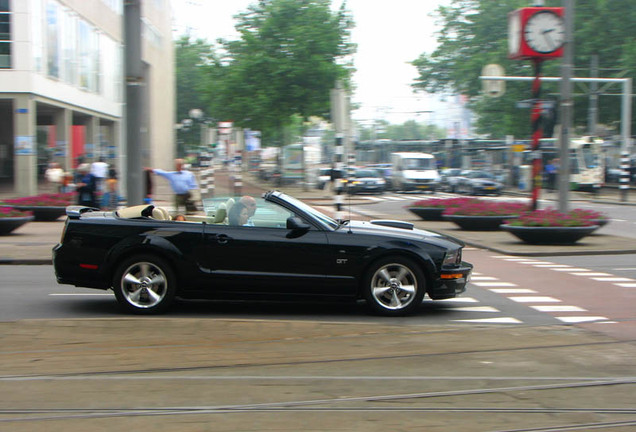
(288, 58)
(409, 130)
(474, 34)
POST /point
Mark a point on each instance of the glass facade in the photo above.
(68, 48)
(5, 35)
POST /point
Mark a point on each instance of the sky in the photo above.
(389, 35)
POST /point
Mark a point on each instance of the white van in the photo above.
(414, 171)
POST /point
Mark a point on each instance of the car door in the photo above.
(267, 257)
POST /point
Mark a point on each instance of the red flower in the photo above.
(10, 212)
(52, 200)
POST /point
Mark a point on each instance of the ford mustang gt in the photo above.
(283, 249)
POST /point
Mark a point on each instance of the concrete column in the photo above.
(63, 120)
(24, 146)
(92, 137)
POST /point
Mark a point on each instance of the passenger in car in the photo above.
(238, 215)
(179, 218)
(250, 203)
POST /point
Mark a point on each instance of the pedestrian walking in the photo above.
(86, 186)
(183, 184)
(54, 175)
(99, 169)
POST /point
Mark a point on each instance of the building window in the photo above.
(52, 44)
(5, 35)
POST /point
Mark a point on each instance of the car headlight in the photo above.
(453, 257)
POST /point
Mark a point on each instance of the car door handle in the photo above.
(222, 239)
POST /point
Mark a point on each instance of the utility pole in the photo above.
(567, 106)
(134, 89)
(592, 119)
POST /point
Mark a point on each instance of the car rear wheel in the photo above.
(144, 285)
(394, 286)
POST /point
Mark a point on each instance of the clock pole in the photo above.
(537, 132)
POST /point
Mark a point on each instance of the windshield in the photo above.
(323, 218)
(482, 174)
(366, 173)
(419, 164)
(590, 156)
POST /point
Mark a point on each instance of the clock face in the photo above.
(544, 32)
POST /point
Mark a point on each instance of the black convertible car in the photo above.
(287, 250)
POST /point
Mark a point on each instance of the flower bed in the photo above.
(553, 218)
(10, 219)
(49, 200)
(441, 202)
(45, 207)
(477, 207)
(10, 212)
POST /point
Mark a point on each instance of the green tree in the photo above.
(474, 34)
(289, 56)
(195, 64)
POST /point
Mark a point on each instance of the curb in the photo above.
(20, 261)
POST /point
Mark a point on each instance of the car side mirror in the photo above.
(296, 226)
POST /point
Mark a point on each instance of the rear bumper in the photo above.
(451, 282)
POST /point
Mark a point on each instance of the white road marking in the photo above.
(570, 269)
(581, 319)
(460, 300)
(552, 265)
(535, 299)
(550, 308)
(613, 279)
(483, 278)
(502, 320)
(477, 309)
(494, 284)
(626, 285)
(591, 274)
(512, 291)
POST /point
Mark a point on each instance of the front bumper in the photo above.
(451, 282)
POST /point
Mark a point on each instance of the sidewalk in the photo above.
(320, 368)
(32, 243)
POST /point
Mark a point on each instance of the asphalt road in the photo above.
(595, 291)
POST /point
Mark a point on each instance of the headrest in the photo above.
(229, 204)
(160, 213)
(143, 210)
(219, 215)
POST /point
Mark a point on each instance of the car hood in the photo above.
(374, 228)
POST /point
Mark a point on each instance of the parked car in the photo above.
(366, 181)
(290, 251)
(449, 178)
(478, 182)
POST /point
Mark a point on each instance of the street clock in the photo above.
(536, 33)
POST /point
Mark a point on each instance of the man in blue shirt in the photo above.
(182, 183)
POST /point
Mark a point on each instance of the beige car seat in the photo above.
(160, 213)
(135, 211)
(219, 215)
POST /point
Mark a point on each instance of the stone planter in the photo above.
(550, 235)
(478, 223)
(8, 224)
(43, 213)
(428, 213)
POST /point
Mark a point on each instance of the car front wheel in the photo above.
(394, 287)
(144, 285)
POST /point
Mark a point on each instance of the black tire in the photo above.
(145, 284)
(384, 286)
